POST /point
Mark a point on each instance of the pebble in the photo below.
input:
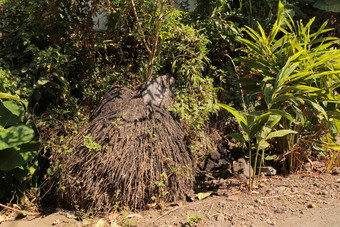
(260, 201)
(324, 192)
(220, 217)
(268, 171)
(307, 193)
(281, 189)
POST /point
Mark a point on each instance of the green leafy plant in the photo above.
(257, 130)
(90, 144)
(294, 71)
(161, 190)
(193, 220)
(17, 148)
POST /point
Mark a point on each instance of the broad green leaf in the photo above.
(280, 10)
(237, 136)
(263, 34)
(280, 133)
(317, 107)
(281, 98)
(333, 114)
(256, 36)
(263, 144)
(301, 116)
(15, 108)
(274, 119)
(285, 72)
(270, 157)
(250, 45)
(297, 55)
(15, 136)
(303, 88)
(322, 74)
(12, 97)
(257, 126)
(298, 76)
(281, 113)
(11, 113)
(268, 93)
(239, 117)
(15, 157)
(320, 31)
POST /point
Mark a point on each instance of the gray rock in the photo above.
(210, 165)
(315, 166)
(221, 163)
(220, 217)
(268, 170)
(215, 156)
(281, 189)
(241, 167)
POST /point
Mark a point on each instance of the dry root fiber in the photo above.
(133, 152)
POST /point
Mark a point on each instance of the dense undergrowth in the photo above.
(276, 68)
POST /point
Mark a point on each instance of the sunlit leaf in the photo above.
(15, 157)
(15, 136)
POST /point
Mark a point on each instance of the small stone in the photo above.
(337, 180)
(259, 201)
(270, 222)
(215, 156)
(268, 171)
(281, 189)
(308, 194)
(220, 217)
(324, 192)
(279, 211)
(56, 222)
(222, 162)
(241, 166)
(210, 165)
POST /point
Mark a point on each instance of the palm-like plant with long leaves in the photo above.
(295, 72)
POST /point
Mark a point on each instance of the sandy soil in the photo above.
(308, 199)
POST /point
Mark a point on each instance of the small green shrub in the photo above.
(295, 72)
(193, 220)
(18, 150)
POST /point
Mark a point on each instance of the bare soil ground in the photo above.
(305, 199)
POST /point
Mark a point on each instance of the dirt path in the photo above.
(299, 200)
(326, 215)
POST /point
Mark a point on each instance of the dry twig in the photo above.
(20, 211)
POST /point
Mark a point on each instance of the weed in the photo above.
(90, 144)
(193, 220)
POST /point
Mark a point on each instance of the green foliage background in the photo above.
(54, 68)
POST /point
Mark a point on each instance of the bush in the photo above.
(18, 150)
(295, 72)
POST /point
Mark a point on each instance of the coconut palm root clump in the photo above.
(132, 153)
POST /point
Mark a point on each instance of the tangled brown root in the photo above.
(131, 153)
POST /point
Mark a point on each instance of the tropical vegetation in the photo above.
(271, 65)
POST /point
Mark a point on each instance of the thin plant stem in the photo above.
(139, 25)
(255, 163)
(261, 162)
(250, 177)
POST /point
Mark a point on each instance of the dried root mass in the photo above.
(133, 152)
